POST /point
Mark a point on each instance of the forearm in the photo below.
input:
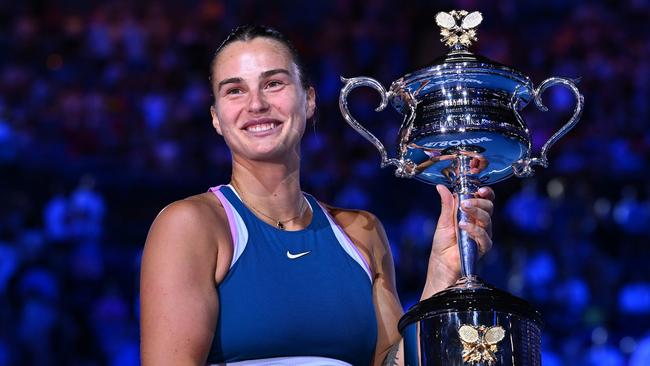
(395, 356)
(436, 282)
(163, 359)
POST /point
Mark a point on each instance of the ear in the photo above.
(311, 102)
(215, 120)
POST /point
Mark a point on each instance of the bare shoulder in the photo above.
(195, 228)
(360, 222)
(364, 229)
(196, 216)
(178, 297)
(196, 209)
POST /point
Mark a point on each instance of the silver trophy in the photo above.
(462, 127)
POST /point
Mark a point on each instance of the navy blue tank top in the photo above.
(292, 293)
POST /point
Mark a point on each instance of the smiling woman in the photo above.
(256, 272)
(260, 103)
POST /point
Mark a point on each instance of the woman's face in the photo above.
(260, 106)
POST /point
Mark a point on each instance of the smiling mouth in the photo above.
(262, 127)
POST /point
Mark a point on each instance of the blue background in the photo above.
(104, 119)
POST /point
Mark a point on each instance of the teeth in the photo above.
(261, 127)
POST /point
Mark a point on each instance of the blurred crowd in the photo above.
(104, 119)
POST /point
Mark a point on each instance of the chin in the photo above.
(263, 154)
(276, 154)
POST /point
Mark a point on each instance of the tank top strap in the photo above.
(237, 224)
(233, 198)
(319, 217)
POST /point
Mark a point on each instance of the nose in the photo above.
(257, 102)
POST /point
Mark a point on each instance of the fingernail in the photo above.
(462, 224)
(482, 190)
(466, 204)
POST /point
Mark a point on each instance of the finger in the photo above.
(478, 216)
(447, 207)
(479, 203)
(476, 232)
(478, 166)
(486, 192)
(480, 236)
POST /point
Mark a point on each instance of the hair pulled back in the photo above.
(246, 33)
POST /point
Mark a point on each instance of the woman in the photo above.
(258, 270)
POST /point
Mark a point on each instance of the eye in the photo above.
(274, 84)
(232, 91)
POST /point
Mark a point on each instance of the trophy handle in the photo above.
(343, 105)
(523, 167)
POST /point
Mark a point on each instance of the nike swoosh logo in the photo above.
(294, 256)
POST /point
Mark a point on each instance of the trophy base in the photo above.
(472, 324)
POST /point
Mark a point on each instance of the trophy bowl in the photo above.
(462, 127)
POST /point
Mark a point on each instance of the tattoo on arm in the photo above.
(391, 357)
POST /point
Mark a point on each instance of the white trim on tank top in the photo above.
(241, 233)
(287, 361)
(347, 244)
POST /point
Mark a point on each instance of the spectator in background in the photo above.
(56, 217)
(86, 209)
(528, 210)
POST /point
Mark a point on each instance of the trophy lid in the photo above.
(460, 65)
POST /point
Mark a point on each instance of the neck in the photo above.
(272, 188)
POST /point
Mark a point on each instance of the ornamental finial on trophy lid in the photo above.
(455, 35)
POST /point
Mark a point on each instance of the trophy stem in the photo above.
(465, 185)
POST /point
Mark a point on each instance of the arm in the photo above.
(178, 297)
(367, 232)
(368, 235)
(444, 261)
(389, 349)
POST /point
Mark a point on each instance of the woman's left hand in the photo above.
(444, 262)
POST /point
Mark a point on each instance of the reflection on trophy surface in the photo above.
(476, 162)
(462, 127)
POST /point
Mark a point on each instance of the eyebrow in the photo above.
(229, 81)
(268, 73)
(264, 74)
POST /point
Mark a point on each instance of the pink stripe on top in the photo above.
(349, 242)
(230, 214)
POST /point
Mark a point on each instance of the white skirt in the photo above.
(287, 361)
